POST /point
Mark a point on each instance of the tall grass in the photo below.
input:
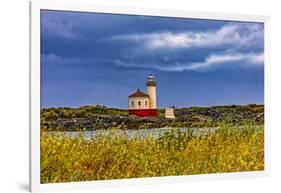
(228, 149)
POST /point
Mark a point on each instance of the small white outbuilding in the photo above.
(169, 113)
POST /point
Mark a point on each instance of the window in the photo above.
(145, 103)
(139, 103)
(132, 103)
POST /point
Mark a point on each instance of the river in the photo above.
(141, 133)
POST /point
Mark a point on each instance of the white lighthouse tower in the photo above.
(151, 91)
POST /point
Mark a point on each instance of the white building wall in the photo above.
(151, 91)
(138, 103)
(169, 113)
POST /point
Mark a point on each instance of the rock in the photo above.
(184, 117)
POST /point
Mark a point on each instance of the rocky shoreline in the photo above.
(88, 118)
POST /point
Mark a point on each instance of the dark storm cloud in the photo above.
(86, 48)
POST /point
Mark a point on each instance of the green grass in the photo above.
(229, 149)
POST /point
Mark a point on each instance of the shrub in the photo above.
(115, 156)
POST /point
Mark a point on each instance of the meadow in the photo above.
(230, 148)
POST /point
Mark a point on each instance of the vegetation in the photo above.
(229, 149)
(100, 117)
(52, 114)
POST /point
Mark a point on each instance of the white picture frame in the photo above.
(36, 6)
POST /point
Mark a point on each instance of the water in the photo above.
(142, 133)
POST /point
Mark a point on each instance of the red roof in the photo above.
(138, 93)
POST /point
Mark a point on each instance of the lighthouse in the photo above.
(144, 104)
(151, 91)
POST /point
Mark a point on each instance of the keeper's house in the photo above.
(142, 104)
